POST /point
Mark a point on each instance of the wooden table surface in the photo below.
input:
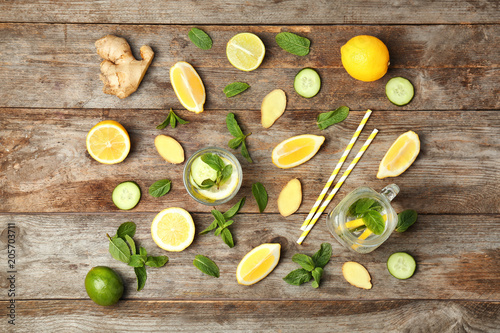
(57, 199)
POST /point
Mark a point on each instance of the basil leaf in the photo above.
(165, 122)
(179, 119)
(304, 260)
(119, 249)
(127, 228)
(214, 161)
(232, 125)
(227, 237)
(211, 227)
(363, 205)
(327, 119)
(374, 221)
(406, 219)
(235, 209)
(136, 260)
(131, 243)
(235, 88)
(260, 195)
(235, 142)
(159, 261)
(206, 265)
(322, 257)
(142, 251)
(298, 277)
(200, 38)
(140, 273)
(244, 152)
(160, 188)
(218, 217)
(293, 43)
(226, 172)
(317, 273)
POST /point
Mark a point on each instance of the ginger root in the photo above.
(170, 149)
(120, 72)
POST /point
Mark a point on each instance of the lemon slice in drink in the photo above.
(258, 263)
(173, 229)
(400, 156)
(245, 51)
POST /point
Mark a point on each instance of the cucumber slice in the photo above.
(307, 83)
(126, 195)
(399, 91)
(201, 171)
(401, 265)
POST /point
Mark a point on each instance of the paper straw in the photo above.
(337, 169)
(337, 186)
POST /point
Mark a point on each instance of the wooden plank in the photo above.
(456, 256)
(56, 66)
(255, 12)
(260, 316)
(44, 166)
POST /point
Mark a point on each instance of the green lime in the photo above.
(103, 285)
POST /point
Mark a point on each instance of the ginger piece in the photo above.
(272, 108)
(357, 275)
(290, 198)
(169, 149)
(120, 72)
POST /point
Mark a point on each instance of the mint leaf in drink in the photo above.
(317, 273)
(406, 219)
(227, 237)
(298, 277)
(119, 249)
(213, 160)
(206, 265)
(363, 205)
(322, 257)
(156, 261)
(327, 119)
(260, 195)
(235, 209)
(207, 183)
(131, 243)
(235, 88)
(160, 188)
(304, 260)
(140, 273)
(200, 38)
(293, 43)
(232, 126)
(226, 173)
(136, 260)
(127, 228)
(374, 222)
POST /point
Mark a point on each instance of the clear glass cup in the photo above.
(350, 238)
(197, 193)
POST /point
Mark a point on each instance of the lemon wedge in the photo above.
(188, 86)
(245, 51)
(296, 150)
(400, 156)
(108, 142)
(173, 229)
(258, 263)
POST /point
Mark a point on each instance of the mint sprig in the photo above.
(223, 170)
(312, 267)
(172, 120)
(239, 137)
(293, 43)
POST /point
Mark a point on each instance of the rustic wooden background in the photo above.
(59, 197)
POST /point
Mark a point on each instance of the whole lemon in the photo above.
(365, 58)
(104, 286)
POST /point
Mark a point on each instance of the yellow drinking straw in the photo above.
(337, 186)
(337, 169)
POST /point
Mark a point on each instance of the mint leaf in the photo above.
(160, 188)
(304, 260)
(142, 251)
(322, 257)
(227, 237)
(200, 38)
(235, 142)
(406, 219)
(166, 122)
(159, 261)
(298, 277)
(127, 228)
(140, 273)
(119, 249)
(218, 231)
(131, 243)
(293, 43)
(235, 88)
(363, 205)
(206, 265)
(218, 217)
(207, 183)
(179, 119)
(136, 260)
(214, 161)
(232, 126)
(244, 152)
(226, 173)
(235, 209)
(211, 227)
(327, 119)
(317, 273)
(260, 195)
(374, 221)
(228, 223)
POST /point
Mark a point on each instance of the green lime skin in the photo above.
(104, 286)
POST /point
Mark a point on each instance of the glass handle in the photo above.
(390, 191)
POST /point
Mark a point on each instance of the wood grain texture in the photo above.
(56, 66)
(254, 12)
(45, 167)
(457, 258)
(259, 316)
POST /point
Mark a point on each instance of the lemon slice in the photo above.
(296, 150)
(108, 142)
(400, 156)
(214, 192)
(173, 229)
(188, 86)
(258, 263)
(245, 51)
